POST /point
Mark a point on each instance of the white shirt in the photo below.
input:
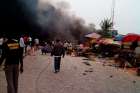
(36, 41)
(21, 42)
(30, 39)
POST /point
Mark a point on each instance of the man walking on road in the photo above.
(11, 54)
(57, 52)
(22, 47)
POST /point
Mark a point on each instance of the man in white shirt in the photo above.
(36, 43)
(21, 42)
(22, 46)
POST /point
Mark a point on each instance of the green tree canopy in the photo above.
(106, 26)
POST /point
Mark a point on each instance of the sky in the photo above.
(127, 15)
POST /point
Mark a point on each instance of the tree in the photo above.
(106, 26)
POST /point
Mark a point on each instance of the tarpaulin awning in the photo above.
(109, 41)
(131, 37)
(118, 37)
(93, 35)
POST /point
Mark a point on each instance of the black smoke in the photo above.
(56, 22)
(17, 18)
(45, 20)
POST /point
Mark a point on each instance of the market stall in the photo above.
(129, 44)
(92, 38)
(108, 47)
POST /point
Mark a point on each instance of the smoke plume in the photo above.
(57, 22)
(44, 18)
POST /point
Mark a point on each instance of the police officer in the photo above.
(13, 57)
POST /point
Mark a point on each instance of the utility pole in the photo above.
(114, 32)
(113, 11)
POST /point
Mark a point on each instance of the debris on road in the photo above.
(87, 63)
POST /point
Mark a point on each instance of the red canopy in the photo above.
(131, 38)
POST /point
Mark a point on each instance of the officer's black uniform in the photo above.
(12, 56)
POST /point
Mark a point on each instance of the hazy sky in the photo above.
(127, 13)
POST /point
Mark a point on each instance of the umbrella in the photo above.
(93, 35)
(118, 38)
(131, 37)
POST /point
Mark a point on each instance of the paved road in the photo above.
(77, 75)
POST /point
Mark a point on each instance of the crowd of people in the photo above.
(13, 51)
(29, 45)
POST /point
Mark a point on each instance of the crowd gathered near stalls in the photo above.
(27, 44)
(124, 49)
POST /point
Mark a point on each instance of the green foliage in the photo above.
(106, 26)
